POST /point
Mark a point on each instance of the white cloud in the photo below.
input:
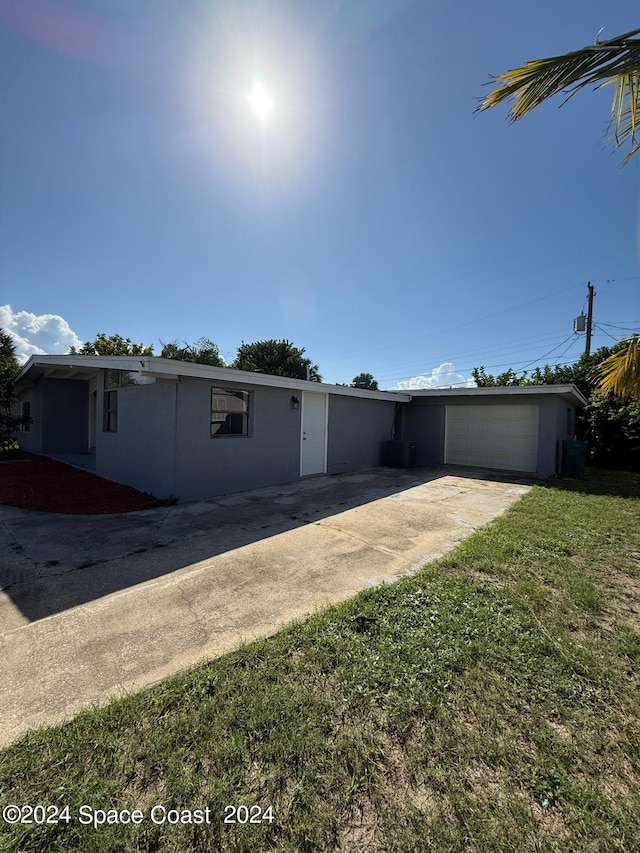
(441, 377)
(37, 334)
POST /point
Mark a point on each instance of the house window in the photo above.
(229, 412)
(125, 378)
(112, 381)
(110, 419)
(26, 413)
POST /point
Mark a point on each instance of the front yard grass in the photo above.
(490, 703)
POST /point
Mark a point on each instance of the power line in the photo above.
(550, 351)
(522, 366)
(513, 307)
(604, 332)
(513, 364)
(465, 382)
(473, 321)
(614, 280)
(562, 354)
(486, 352)
(469, 369)
(414, 365)
(623, 328)
(572, 338)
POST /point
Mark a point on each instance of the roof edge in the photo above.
(509, 390)
(151, 365)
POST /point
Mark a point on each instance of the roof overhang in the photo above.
(86, 366)
(37, 367)
(569, 393)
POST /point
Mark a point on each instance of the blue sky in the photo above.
(372, 218)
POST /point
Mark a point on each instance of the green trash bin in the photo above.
(574, 454)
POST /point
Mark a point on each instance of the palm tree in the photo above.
(614, 62)
(620, 372)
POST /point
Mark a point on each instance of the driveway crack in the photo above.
(190, 607)
(351, 535)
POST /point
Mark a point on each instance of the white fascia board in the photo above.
(73, 362)
(566, 391)
(245, 377)
(168, 367)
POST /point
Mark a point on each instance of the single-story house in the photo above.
(193, 431)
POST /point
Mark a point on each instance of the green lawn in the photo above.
(490, 703)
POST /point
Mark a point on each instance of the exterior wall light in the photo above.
(295, 403)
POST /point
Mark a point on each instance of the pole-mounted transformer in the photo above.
(585, 324)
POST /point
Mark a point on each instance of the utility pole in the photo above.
(590, 295)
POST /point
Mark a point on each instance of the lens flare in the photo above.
(260, 100)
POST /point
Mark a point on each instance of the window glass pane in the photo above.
(111, 379)
(110, 419)
(136, 378)
(229, 412)
(122, 378)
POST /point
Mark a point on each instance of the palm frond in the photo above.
(625, 110)
(620, 372)
(615, 62)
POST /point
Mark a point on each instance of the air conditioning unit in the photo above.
(401, 454)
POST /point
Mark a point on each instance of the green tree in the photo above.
(612, 428)
(583, 373)
(10, 423)
(276, 358)
(111, 345)
(488, 380)
(365, 380)
(615, 63)
(203, 351)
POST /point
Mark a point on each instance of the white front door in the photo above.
(313, 441)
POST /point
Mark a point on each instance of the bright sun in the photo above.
(260, 100)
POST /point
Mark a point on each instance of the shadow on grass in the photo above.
(598, 481)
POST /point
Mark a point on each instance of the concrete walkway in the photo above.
(95, 606)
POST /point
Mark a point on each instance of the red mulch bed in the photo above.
(50, 486)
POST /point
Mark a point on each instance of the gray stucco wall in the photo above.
(566, 427)
(553, 429)
(358, 432)
(547, 436)
(424, 423)
(163, 443)
(269, 455)
(142, 452)
(65, 415)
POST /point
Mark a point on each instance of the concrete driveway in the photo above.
(94, 606)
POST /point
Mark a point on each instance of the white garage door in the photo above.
(504, 436)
